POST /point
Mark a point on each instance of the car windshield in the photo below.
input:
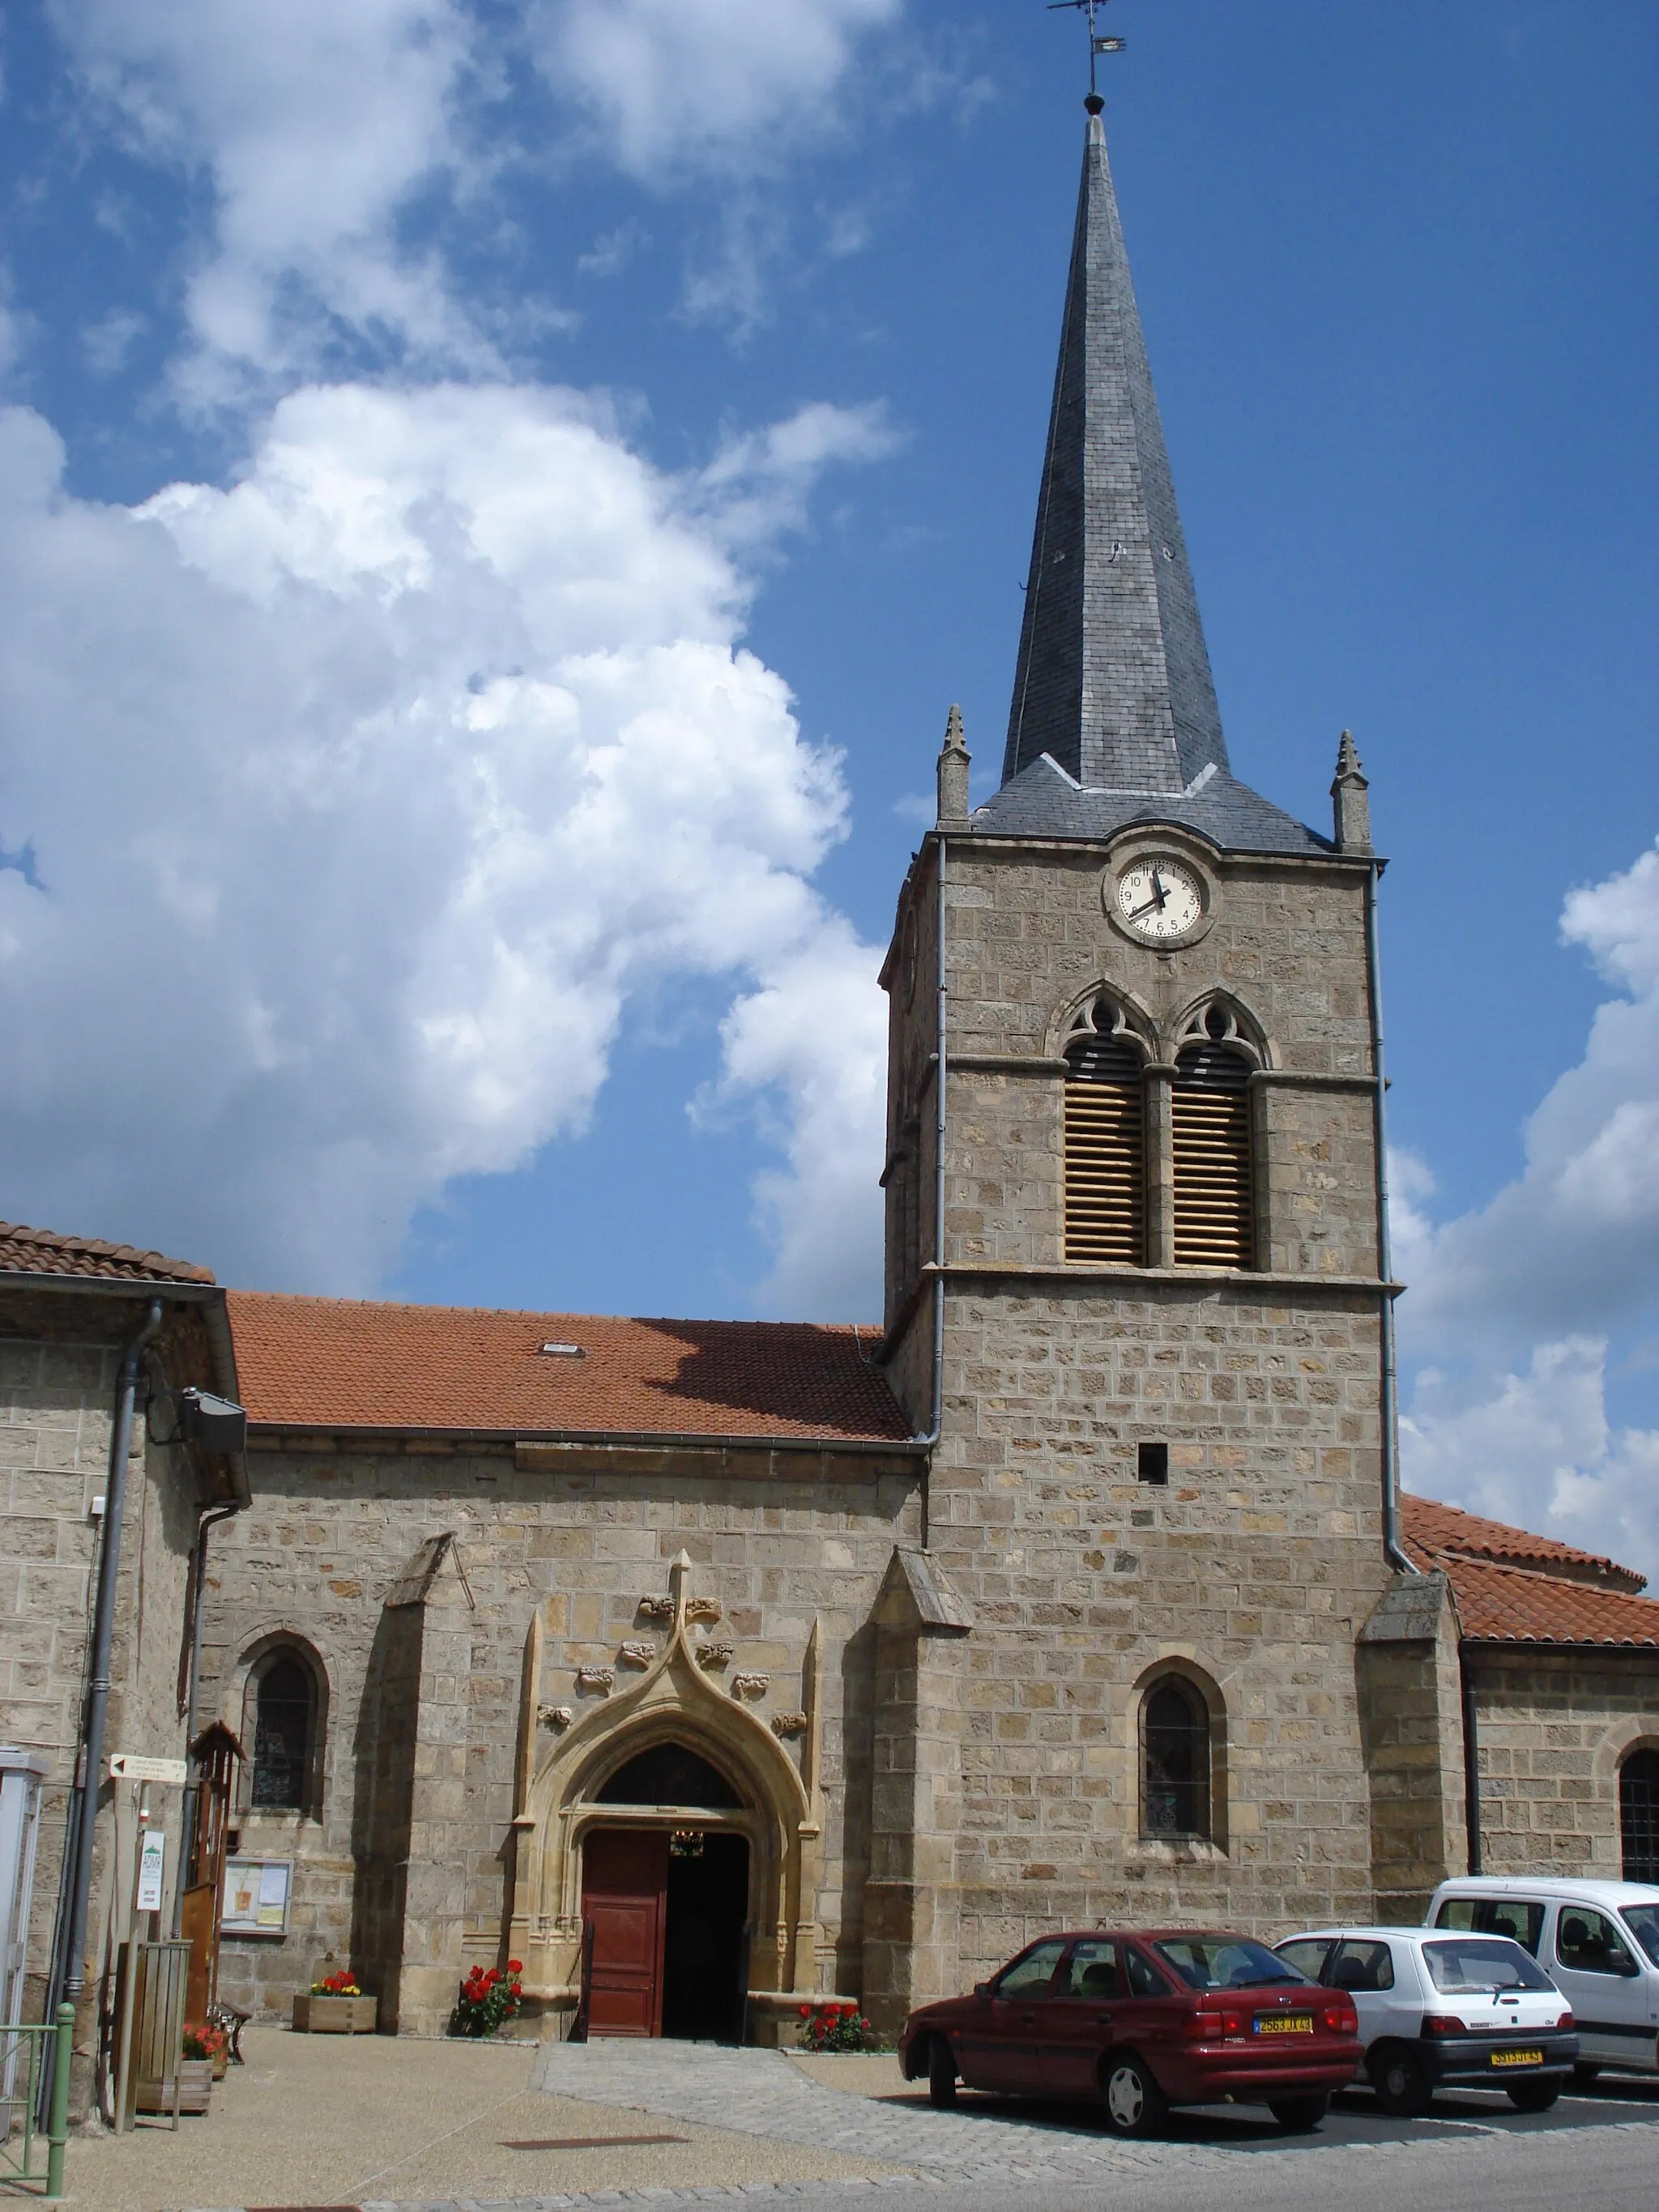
(1469, 1963)
(1225, 1962)
(1643, 1922)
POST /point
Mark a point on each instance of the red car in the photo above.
(1138, 2023)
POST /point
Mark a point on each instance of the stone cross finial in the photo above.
(953, 776)
(1352, 806)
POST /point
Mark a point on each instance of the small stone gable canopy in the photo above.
(1510, 1587)
(339, 1364)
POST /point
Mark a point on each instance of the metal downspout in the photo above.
(937, 1424)
(92, 1736)
(192, 1787)
(1394, 1552)
(1471, 1763)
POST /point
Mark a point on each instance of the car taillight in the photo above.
(1566, 2021)
(1342, 2020)
(1215, 2026)
(1443, 2023)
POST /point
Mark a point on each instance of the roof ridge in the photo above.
(552, 1313)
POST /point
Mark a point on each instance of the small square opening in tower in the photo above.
(1152, 1462)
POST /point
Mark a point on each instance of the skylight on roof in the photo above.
(564, 1352)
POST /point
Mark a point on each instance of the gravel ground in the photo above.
(320, 2120)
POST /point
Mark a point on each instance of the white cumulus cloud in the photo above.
(727, 84)
(359, 797)
(811, 1045)
(1512, 1305)
(312, 126)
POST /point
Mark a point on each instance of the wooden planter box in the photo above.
(195, 2087)
(334, 2015)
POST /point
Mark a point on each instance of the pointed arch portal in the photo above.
(668, 1838)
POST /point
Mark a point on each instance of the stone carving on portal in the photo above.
(713, 1654)
(674, 1699)
(750, 1685)
(637, 1655)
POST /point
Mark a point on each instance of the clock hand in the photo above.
(1152, 905)
(1157, 886)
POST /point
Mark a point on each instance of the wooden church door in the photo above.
(625, 1900)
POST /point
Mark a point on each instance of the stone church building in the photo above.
(706, 1667)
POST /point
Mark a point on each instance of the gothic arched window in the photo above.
(1175, 1761)
(1211, 1146)
(1639, 1816)
(1105, 1140)
(284, 1708)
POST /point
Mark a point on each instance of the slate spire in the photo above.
(1114, 680)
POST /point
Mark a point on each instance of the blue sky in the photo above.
(502, 496)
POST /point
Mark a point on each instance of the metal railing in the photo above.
(36, 2054)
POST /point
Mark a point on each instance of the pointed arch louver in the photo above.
(1105, 1141)
(1211, 1146)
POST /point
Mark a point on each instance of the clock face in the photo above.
(1159, 899)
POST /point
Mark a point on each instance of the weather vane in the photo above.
(1096, 44)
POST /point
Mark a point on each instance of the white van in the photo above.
(1597, 1941)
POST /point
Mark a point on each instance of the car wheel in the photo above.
(1134, 2104)
(1402, 2086)
(941, 2073)
(1584, 2076)
(1534, 2096)
(1298, 2116)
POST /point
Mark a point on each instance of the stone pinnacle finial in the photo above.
(953, 760)
(1352, 806)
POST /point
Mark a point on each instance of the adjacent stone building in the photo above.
(70, 1308)
(706, 1667)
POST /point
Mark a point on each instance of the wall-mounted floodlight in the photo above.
(218, 1424)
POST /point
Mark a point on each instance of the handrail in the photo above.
(48, 2045)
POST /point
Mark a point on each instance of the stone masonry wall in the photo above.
(56, 1401)
(777, 1540)
(1256, 1567)
(1553, 1729)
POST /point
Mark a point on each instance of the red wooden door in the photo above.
(624, 1893)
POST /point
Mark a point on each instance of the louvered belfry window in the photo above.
(1210, 1139)
(1105, 1143)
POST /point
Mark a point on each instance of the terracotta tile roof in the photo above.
(1512, 1587)
(1431, 1527)
(339, 1364)
(41, 1252)
(1515, 1605)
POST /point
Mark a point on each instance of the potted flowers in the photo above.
(836, 2025)
(488, 1997)
(335, 2005)
(210, 2042)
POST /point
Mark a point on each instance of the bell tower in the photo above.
(1135, 1284)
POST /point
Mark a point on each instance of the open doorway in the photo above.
(705, 1945)
(665, 1920)
(665, 1907)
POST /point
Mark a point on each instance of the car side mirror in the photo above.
(982, 1988)
(1622, 1963)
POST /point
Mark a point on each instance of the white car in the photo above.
(1597, 1941)
(1438, 2008)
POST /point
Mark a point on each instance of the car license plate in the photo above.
(1518, 2058)
(1284, 2023)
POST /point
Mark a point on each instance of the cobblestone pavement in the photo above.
(762, 2093)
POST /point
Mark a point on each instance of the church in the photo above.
(706, 1668)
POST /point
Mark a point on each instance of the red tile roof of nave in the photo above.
(1517, 1605)
(44, 1252)
(1432, 1527)
(336, 1363)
